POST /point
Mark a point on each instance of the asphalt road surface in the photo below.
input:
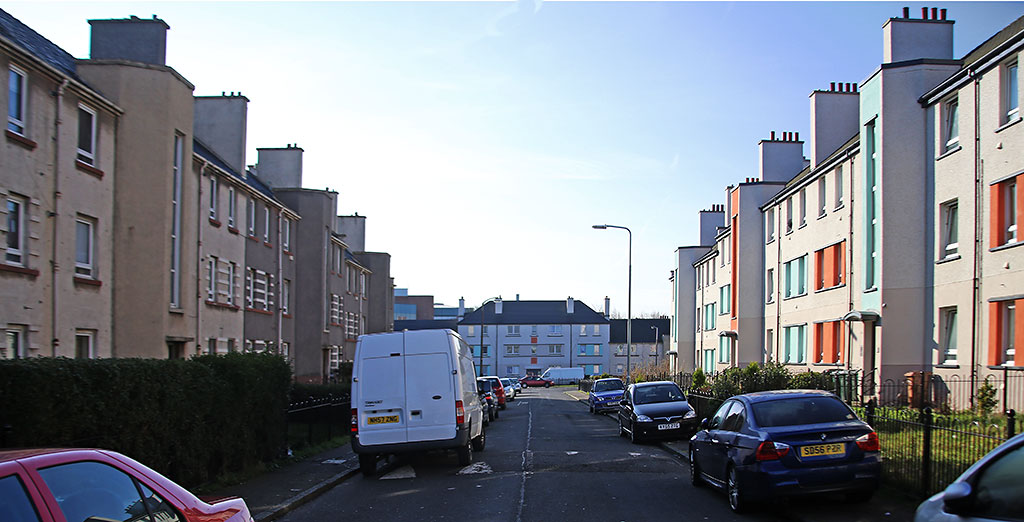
(546, 459)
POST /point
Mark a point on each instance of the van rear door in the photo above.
(381, 374)
(430, 385)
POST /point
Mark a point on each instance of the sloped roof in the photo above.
(996, 40)
(535, 312)
(426, 324)
(204, 151)
(37, 45)
(643, 330)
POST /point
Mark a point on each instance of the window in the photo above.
(470, 330)
(485, 369)
(250, 211)
(176, 223)
(286, 296)
(724, 349)
(555, 349)
(512, 330)
(231, 207)
(997, 488)
(95, 491)
(947, 332)
(839, 186)
(15, 344)
(85, 344)
(16, 100)
(211, 278)
(484, 330)
(226, 276)
(476, 350)
(1011, 101)
(588, 349)
(533, 331)
(795, 339)
(595, 329)
(951, 125)
(829, 342)
(555, 330)
(1010, 211)
(829, 263)
(266, 224)
(769, 285)
(709, 316)
(259, 290)
(583, 330)
(17, 503)
(769, 225)
(592, 369)
(725, 297)
(512, 370)
(511, 349)
(620, 368)
(1008, 327)
(213, 197)
(15, 230)
(335, 310)
(870, 207)
(822, 197)
(86, 135)
(769, 340)
(949, 242)
(721, 252)
(796, 276)
(85, 245)
(803, 207)
(789, 214)
(699, 278)
(286, 234)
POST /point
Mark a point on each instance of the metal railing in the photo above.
(313, 421)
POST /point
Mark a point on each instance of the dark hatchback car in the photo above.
(766, 445)
(488, 399)
(605, 394)
(655, 410)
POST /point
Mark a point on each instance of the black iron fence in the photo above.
(313, 421)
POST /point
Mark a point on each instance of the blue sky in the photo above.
(483, 139)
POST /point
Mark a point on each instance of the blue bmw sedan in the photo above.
(766, 445)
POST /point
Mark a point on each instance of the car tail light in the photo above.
(355, 420)
(460, 413)
(769, 450)
(868, 442)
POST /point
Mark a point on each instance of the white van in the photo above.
(563, 375)
(414, 391)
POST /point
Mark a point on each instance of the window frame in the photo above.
(950, 124)
(214, 190)
(803, 207)
(948, 339)
(17, 124)
(20, 335)
(86, 156)
(286, 233)
(86, 268)
(839, 186)
(1010, 92)
(789, 214)
(266, 224)
(769, 285)
(16, 255)
(769, 225)
(231, 206)
(1008, 325)
(90, 337)
(1010, 196)
(176, 182)
(250, 210)
(949, 240)
(822, 197)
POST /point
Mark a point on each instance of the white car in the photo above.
(510, 388)
(414, 391)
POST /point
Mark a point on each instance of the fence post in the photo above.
(1011, 424)
(1006, 385)
(869, 413)
(926, 451)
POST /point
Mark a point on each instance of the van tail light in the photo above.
(460, 413)
(769, 450)
(868, 442)
(355, 420)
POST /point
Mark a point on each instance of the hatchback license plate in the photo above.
(669, 426)
(822, 449)
(387, 419)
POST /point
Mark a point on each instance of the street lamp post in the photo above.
(629, 297)
(656, 339)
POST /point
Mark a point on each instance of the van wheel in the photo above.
(480, 442)
(547, 385)
(465, 454)
(367, 464)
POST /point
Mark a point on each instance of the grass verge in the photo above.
(237, 477)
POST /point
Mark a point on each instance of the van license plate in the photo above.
(821, 449)
(387, 419)
(669, 426)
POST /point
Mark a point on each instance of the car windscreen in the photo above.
(801, 410)
(603, 386)
(483, 386)
(657, 393)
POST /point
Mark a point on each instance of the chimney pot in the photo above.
(906, 12)
(773, 136)
(942, 14)
(935, 13)
(796, 136)
(924, 13)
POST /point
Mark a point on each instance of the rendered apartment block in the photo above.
(684, 320)
(974, 315)
(647, 351)
(516, 338)
(57, 180)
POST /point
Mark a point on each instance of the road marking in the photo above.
(571, 452)
(631, 454)
(476, 468)
(403, 472)
(527, 464)
(334, 461)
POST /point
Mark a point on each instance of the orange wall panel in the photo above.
(996, 224)
(1018, 337)
(995, 319)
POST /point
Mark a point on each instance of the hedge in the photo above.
(189, 420)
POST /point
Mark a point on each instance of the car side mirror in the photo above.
(958, 498)
(623, 402)
(704, 423)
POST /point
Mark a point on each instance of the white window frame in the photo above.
(511, 349)
(1009, 327)
(769, 283)
(286, 295)
(87, 156)
(769, 226)
(85, 267)
(213, 196)
(90, 338)
(512, 330)
(949, 214)
(1010, 210)
(16, 123)
(555, 330)
(175, 297)
(231, 207)
(18, 336)
(839, 187)
(583, 330)
(595, 329)
(250, 210)
(725, 297)
(951, 124)
(822, 197)
(789, 214)
(266, 224)
(16, 254)
(1011, 91)
(803, 206)
(211, 279)
(948, 341)
(286, 233)
(555, 349)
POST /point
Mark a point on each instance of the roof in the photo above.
(37, 45)
(825, 165)
(980, 58)
(995, 41)
(534, 312)
(782, 394)
(426, 324)
(203, 151)
(643, 330)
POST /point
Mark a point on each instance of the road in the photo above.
(546, 458)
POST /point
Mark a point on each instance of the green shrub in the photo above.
(986, 398)
(810, 381)
(190, 420)
(727, 383)
(700, 381)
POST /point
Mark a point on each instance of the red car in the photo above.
(72, 485)
(534, 381)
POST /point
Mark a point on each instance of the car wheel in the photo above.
(480, 442)
(496, 411)
(503, 406)
(547, 385)
(695, 479)
(367, 464)
(592, 408)
(860, 495)
(737, 502)
(465, 454)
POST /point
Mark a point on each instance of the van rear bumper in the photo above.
(460, 440)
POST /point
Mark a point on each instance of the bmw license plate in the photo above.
(387, 419)
(822, 449)
(669, 426)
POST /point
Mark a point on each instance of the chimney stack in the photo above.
(497, 306)
(280, 167)
(462, 308)
(780, 160)
(220, 123)
(906, 39)
(607, 307)
(834, 119)
(569, 305)
(132, 39)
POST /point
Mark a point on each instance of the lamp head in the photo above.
(600, 227)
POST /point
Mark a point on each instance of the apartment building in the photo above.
(809, 233)
(515, 338)
(974, 313)
(57, 178)
(648, 349)
(684, 319)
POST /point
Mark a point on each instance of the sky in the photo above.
(482, 140)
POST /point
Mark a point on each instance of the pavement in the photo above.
(277, 492)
